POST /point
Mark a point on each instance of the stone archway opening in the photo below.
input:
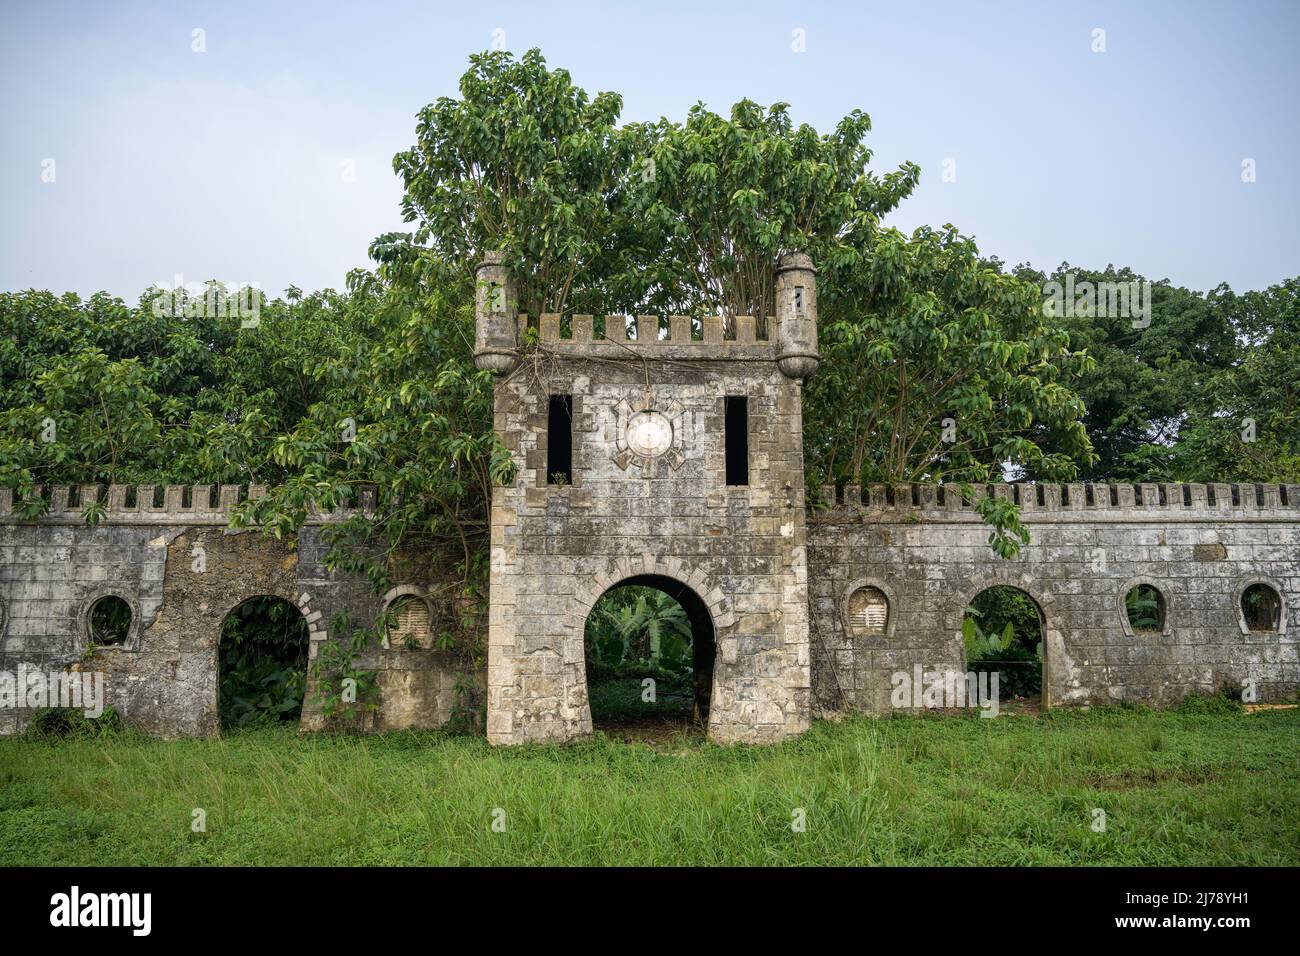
(650, 650)
(262, 663)
(1004, 632)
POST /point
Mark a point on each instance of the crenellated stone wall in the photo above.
(170, 555)
(927, 550)
(779, 626)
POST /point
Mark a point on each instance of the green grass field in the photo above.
(1176, 788)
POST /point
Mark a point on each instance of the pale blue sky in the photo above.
(229, 164)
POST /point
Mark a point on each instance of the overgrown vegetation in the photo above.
(1177, 788)
(62, 723)
(1206, 392)
(262, 662)
(639, 626)
(329, 393)
(1003, 631)
(633, 634)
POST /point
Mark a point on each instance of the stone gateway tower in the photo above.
(665, 452)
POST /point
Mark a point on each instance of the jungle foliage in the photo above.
(262, 659)
(1003, 631)
(638, 629)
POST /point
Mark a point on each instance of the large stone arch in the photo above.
(537, 688)
(302, 600)
(1056, 660)
(649, 565)
(706, 606)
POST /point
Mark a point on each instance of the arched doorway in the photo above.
(262, 663)
(649, 654)
(1004, 631)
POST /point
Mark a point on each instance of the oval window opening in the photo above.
(110, 621)
(1145, 607)
(1262, 608)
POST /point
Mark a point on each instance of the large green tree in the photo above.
(1244, 425)
(720, 200)
(938, 368)
(693, 217)
(525, 163)
(1200, 389)
(1147, 372)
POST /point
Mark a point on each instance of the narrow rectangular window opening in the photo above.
(737, 439)
(559, 441)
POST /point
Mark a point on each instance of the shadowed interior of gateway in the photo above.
(700, 676)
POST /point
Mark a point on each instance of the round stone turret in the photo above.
(496, 347)
(796, 315)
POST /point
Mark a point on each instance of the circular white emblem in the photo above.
(649, 434)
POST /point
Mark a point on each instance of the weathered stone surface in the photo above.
(164, 678)
(1085, 554)
(739, 549)
(776, 606)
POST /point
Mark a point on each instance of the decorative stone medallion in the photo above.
(647, 436)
